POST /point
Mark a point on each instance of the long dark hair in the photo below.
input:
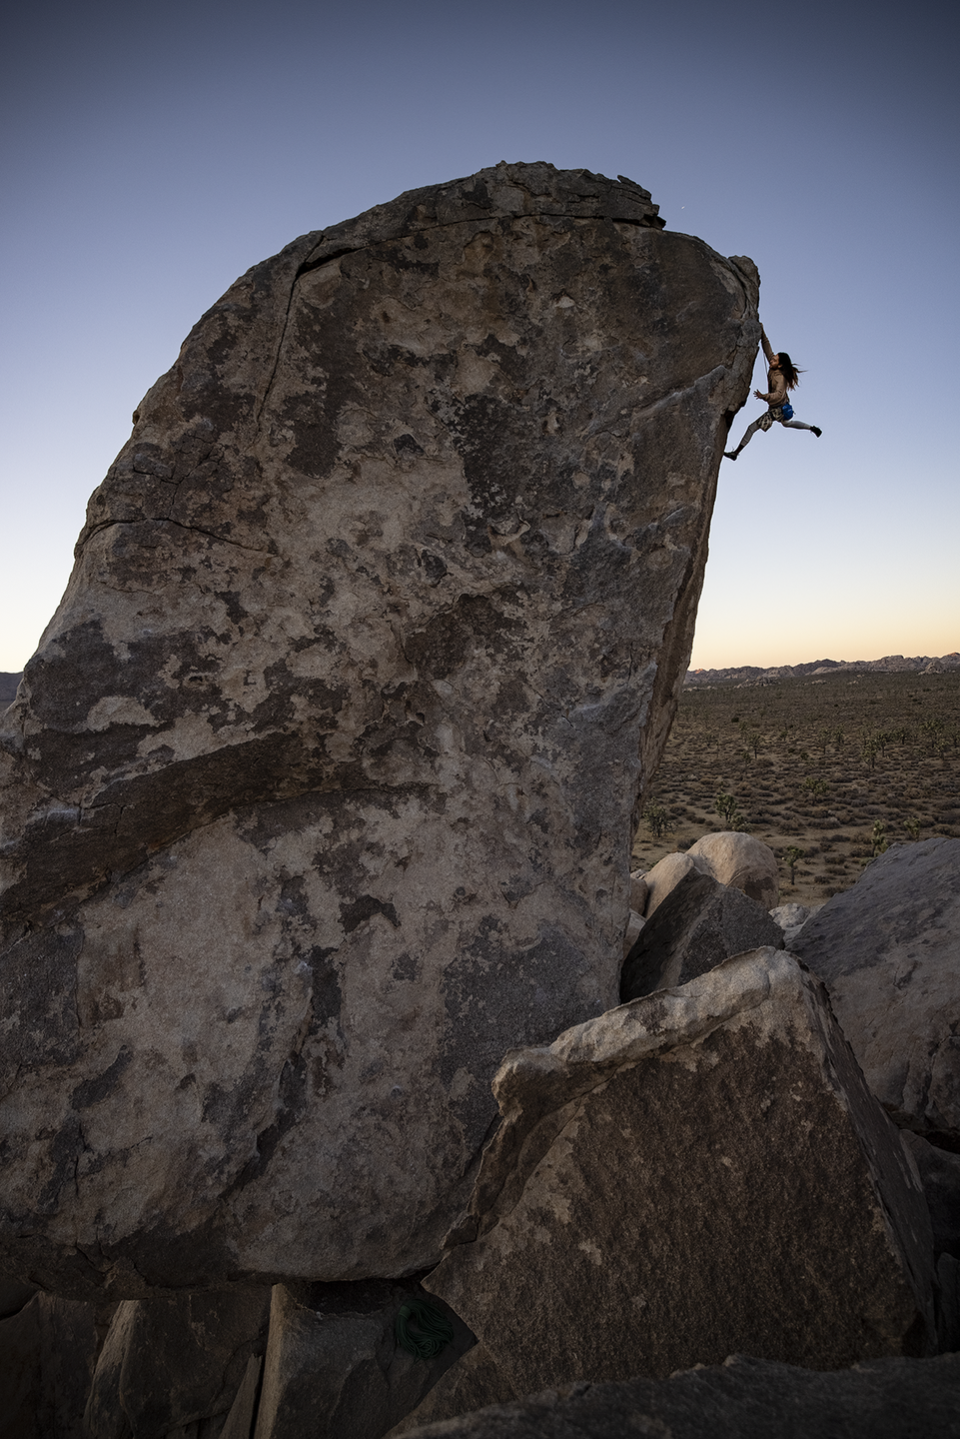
(789, 370)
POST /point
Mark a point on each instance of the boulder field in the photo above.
(319, 1112)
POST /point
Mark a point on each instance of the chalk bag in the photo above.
(422, 1330)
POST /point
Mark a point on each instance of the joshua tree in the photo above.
(933, 729)
(879, 837)
(791, 857)
(728, 810)
(869, 748)
(656, 817)
(912, 826)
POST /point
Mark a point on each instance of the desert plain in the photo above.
(828, 770)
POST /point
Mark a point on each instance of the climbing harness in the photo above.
(422, 1330)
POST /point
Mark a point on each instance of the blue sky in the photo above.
(151, 154)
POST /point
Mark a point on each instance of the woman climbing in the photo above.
(782, 376)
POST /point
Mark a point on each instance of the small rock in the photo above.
(790, 916)
(171, 1361)
(243, 1411)
(475, 1381)
(635, 924)
(333, 1365)
(638, 890)
(940, 1176)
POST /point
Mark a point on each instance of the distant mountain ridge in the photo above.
(738, 675)
(890, 664)
(8, 687)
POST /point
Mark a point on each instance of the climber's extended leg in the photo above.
(751, 431)
(799, 425)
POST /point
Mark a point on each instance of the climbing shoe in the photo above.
(729, 454)
(817, 432)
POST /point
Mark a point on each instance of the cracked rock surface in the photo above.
(318, 793)
(700, 1172)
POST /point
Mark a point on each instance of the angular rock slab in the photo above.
(171, 1363)
(48, 1350)
(333, 1365)
(742, 1399)
(699, 925)
(319, 792)
(698, 1171)
(888, 950)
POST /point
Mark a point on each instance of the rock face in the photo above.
(888, 950)
(699, 925)
(698, 1172)
(741, 1399)
(318, 794)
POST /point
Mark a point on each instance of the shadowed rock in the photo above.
(699, 925)
(319, 792)
(333, 1365)
(168, 1363)
(741, 1399)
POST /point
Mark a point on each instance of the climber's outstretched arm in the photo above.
(767, 347)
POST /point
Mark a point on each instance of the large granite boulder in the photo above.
(320, 789)
(888, 950)
(738, 860)
(698, 1172)
(741, 861)
(741, 1399)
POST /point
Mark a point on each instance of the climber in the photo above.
(781, 377)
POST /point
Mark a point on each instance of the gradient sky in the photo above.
(153, 153)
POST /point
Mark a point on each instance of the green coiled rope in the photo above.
(422, 1330)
